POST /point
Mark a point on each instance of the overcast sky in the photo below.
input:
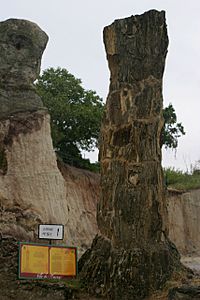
(75, 31)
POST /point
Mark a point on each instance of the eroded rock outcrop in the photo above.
(132, 255)
(21, 46)
(32, 188)
(184, 223)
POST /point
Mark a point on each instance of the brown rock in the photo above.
(32, 188)
(133, 255)
(34, 191)
(21, 46)
(184, 223)
(185, 292)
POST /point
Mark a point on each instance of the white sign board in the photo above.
(51, 231)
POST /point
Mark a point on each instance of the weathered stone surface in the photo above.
(132, 255)
(185, 293)
(21, 46)
(82, 194)
(34, 191)
(184, 222)
(32, 188)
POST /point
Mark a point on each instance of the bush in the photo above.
(178, 179)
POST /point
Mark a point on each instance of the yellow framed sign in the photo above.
(47, 261)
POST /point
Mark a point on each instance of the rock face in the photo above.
(82, 194)
(21, 46)
(32, 188)
(184, 223)
(132, 255)
(185, 293)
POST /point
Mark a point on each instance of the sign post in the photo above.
(51, 231)
(47, 261)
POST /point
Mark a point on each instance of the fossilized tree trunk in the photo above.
(132, 255)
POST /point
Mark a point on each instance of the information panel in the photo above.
(47, 261)
(62, 261)
(34, 259)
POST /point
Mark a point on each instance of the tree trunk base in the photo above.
(121, 274)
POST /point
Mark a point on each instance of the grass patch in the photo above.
(182, 180)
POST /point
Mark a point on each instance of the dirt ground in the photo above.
(192, 262)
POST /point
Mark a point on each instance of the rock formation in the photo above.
(21, 46)
(183, 209)
(132, 255)
(32, 188)
(185, 293)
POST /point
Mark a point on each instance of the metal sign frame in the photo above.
(48, 234)
(45, 275)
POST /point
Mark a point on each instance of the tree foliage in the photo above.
(75, 114)
(171, 129)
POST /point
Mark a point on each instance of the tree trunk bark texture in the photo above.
(132, 255)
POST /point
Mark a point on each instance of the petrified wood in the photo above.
(132, 255)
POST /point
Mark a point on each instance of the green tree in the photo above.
(75, 114)
(171, 129)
